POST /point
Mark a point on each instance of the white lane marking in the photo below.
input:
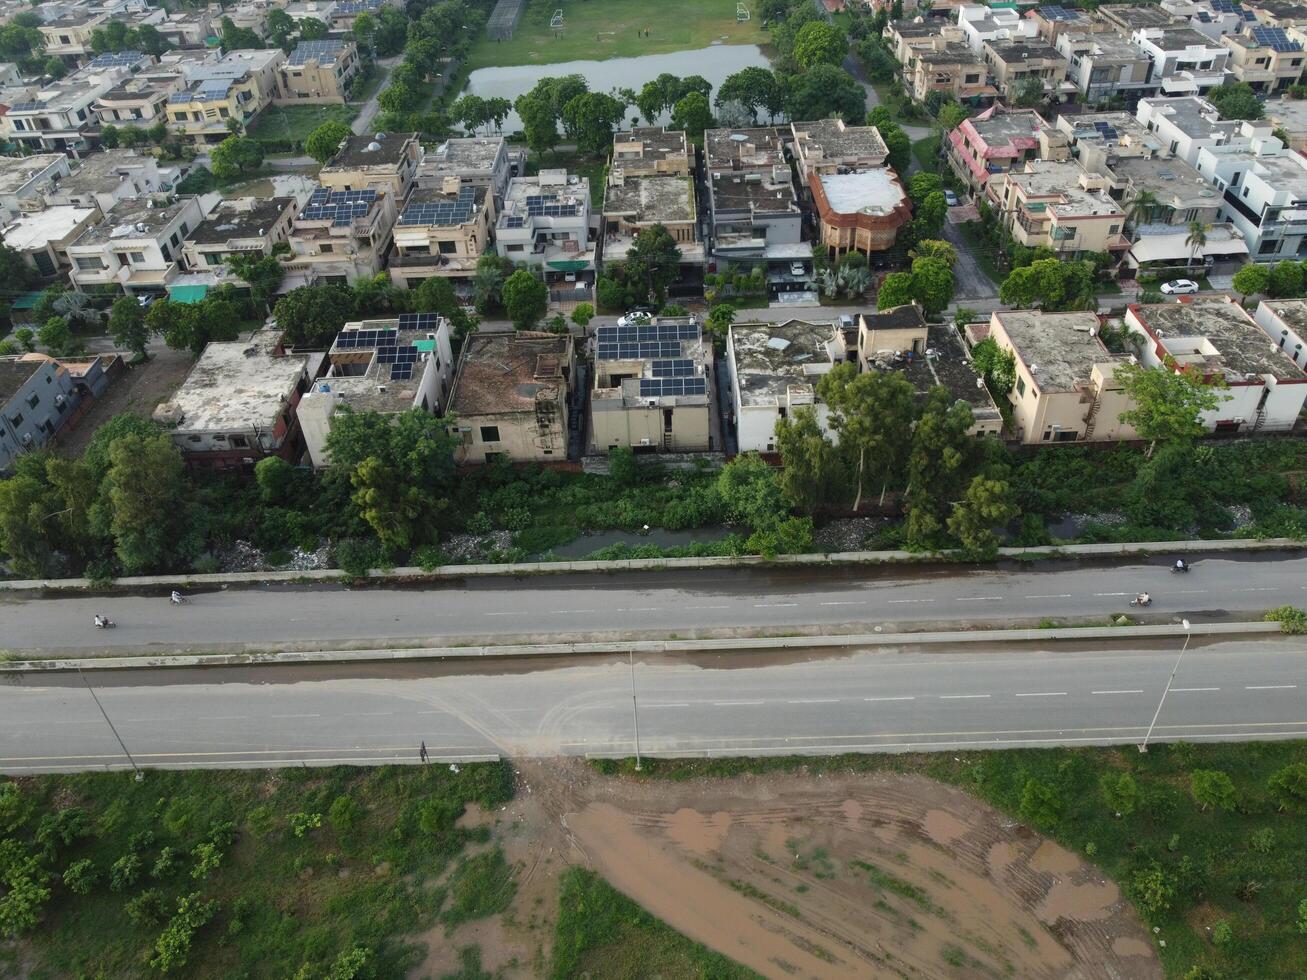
(227, 717)
(367, 714)
(641, 609)
(683, 704)
(506, 614)
(295, 716)
(568, 612)
(1043, 694)
(1139, 691)
(1114, 593)
(1181, 690)
(979, 598)
(814, 701)
(731, 704)
(907, 697)
(1188, 592)
(705, 607)
(851, 602)
(1260, 588)
(893, 601)
(772, 605)
(1270, 687)
(960, 697)
(1060, 595)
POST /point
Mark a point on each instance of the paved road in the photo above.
(363, 120)
(972, 284)
(1218, 587)
(720, 704)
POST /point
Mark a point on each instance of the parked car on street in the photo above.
(950, 198)
(1180, 287)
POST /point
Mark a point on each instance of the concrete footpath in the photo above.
(668, 646)
(456, 572)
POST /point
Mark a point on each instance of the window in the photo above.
(1113, 229)
(174, 240)
(326, 247)
(16, 420)
(448, 248)
(489, 433)
(136, 257)
(1021, 385)
(34, 401)
(517, 248)
(239, 441)
(90, 265)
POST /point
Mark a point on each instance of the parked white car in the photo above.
(797, 269)
(950, 198)
(634, 319)
(1180, 287)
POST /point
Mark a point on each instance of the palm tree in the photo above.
(1197, 239)
(1140, 207)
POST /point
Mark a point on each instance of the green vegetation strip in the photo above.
(291, 873)
(1208, 841)
(602, 933)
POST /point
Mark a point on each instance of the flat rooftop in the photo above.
(133, 218)
(1004, 126)
(431, 207)
(504, 374)
(1288, 114)
(17, 172)
(1291, 311)
(549, 194)
(875, 192)
(1175, 183)
(1058, 345)
(752, 148)
(34, 230)
(656, 142)
(240, 217)
(650, 199)
(1135, 17)
(234, 386)
(1179, 38)
(468, 155)
(1286, 173)
(103, 171)
(1195, 117)
(952, 53)
(734, 192)
(1107, 128)
(389, 151)
(1015, 52)
(838, 140)
(1235, 345)
(772, 358)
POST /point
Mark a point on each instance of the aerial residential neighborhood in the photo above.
(598, 488)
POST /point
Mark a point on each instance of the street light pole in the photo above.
(121, 744)
(635, 709)
(1143, 746)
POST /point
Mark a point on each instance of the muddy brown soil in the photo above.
(800, 876)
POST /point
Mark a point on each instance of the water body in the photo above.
(714, 63)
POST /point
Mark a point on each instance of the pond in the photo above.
(714, 63)
(592, 541)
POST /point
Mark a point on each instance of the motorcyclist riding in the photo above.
(1143, 599)
(176, 597)
(1180, 565)
(100, 621)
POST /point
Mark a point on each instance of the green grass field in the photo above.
(295, 122)
(1243, 867)
(598, 29)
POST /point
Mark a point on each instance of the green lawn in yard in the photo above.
(602, 933)
(306, 865)
(295, 122)
(1242, 866)
(981, 250)
(599, 29)
(927, 153)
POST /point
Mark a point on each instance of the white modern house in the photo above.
(980, 23)
(1187, 124)
(1264, 195)
(1285, 322)
(1186, 62)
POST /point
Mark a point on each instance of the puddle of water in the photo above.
(1053, 859)
(942, 827)
(1087, 903)
(713, 63)
(591, 542)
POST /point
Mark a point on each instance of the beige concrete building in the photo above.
(953, 69)
(442, 233)
(1013, 62)
(511, 397)
(1267, 67)
(342, 236)
(654, 388)
(69, 37)
(651, 151)
(633, 204)
(1066, 388)
(239, 87)
(239, 226)
(42, 237)
(828, 146)
(1290, 116)
(1060, 206)
(137, 101)
(860, 211)
(318, 73)
(138, 245)
(24, 181)
(368, 163)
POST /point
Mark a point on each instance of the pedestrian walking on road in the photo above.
(422, 751)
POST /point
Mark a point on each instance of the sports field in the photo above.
(598, 29)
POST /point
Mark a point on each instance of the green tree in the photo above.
(311, 316)
(754, 90)
(583, 314)
(986, 504)
(22, 904)
(997, 366)
(820, 43)
(323, 143)
(932, 284)
(26, 338)
(1041, 805)
(692, 114)
(1168, 401)
(1236, 100)
(364, 29)
(1286, 279)
(750, 492)
(1288, 786)
(951, 116)
(55, 336)
(234, 156)
(938, 465)
(1250, 280)
(811, 471)
(238, 38)
(525, 299)
(146, 492)
(262, 273)
(825, 91)
(172, 950)
(1028, 93)
(1119, 792)
(589, 119)
(896, 289)
(127, 325)
(1152, 890)
(1196, 239)
(539, 123)
(81, 876)
(873, 414)
(1212, 787)
(652, 263)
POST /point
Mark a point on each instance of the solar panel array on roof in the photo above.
(1106, 130)
(647, 331)
(357, 6)
(1056, 13)
(451, 212)
(338, 207)
(321, 50)
(658, 387)
(1275, 38)
(1225, 6)
(366, 339)
(680, 367)
(419, 321)
(402, 358)
(25, 107)
(117, 59)
(513, 221)
(548, 205)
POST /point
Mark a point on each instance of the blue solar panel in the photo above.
(117, 59)
(1057, 13)
(1275, 38)
(674, 368)
(321, 50)
(419, 321)
(1225, 6)
(454, 211)
(338, 207)
(659, 387)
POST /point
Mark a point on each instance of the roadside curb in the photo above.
(637, 646)
(457, 572)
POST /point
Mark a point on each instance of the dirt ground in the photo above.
(808, 877)
(139, 390)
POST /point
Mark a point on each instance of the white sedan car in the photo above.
(1179, 287)
(634, 319)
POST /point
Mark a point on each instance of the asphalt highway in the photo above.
(719, 704)
(1218, 587)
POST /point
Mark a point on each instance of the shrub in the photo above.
(429, 557)
(302, 823)
(208, 856)
(358, 556)
(146, 909)
(1302, 916)
(1292, 620)
(173, 947)
(1152, 891)
(1119, 792)
(125, 872)
(622, 466)
(1262, 840)
(481, 885)
(1288, 786)
(343, 813)
(1041, 806)
(23, 902)
(167, 863)
(1222, 934)
(1211, 787)
(80, 876)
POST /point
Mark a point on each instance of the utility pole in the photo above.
(1143, 746)
(121, 744)
(635, 709)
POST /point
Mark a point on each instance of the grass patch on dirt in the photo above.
(1240, 866)
(295, 122)
(602, 933)
(611, 29)
(311, 869)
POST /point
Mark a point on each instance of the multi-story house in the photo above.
(1289, 116)
(1264, 189)
(1060, 206)
(745, 150)
(651, 151)
(980, 24)
(137, 101)
(994, 142)
(342, 236)
(1053, 21)
(239, 226)
(829, 146)
(60, 115)
(1105, 66)
(1285, 322)
(36, 399)
(42, 237)
(137, 247)
(1185, 62)
(106, 179)
(775, 368)
(69, 37)
(477, 161)
(953, 69)
(1126, 18)
(545, 224)
(1013, 63)
(380, 162)
(1264, 389)
(442, 233)
(238, 87)
(1187, 124)
(1268, 59)
(859, 210)
(753, 214)
(25, 180)
(188, 28)
(1214, 18)
(633, 204)
(319, 72)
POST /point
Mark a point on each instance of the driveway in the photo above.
(363, 121)
(970, 282)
